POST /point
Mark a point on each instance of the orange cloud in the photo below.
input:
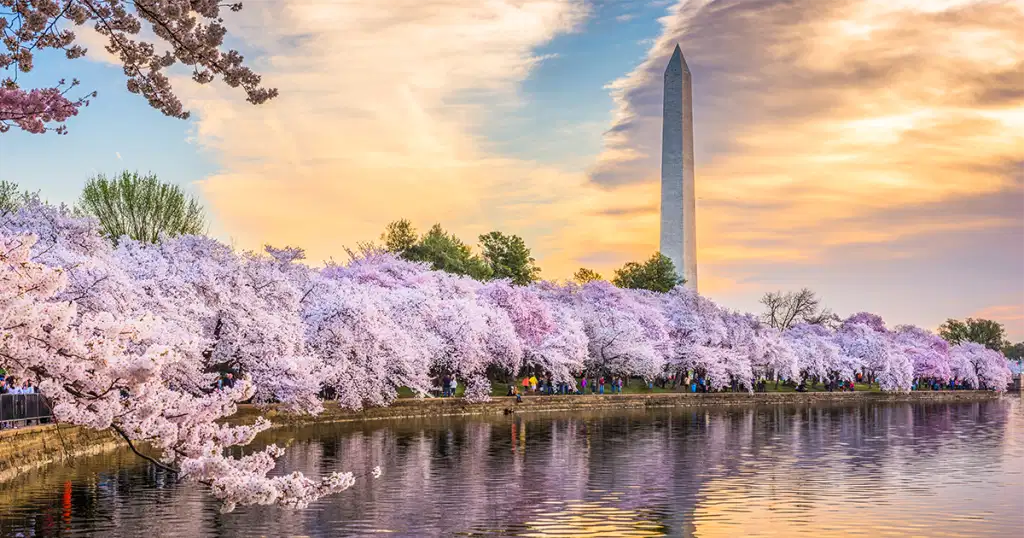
(377, 120)
(819, 124)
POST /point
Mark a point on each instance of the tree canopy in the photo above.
(982, 331)
(439, 248)
(399, 236)
(656, 274)
(141, 207)
(189, 33)
(1014, 351)
(509, 257)
(131, 338)
(11, 197)
(584, 275)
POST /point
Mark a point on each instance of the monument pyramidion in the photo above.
(678, 204)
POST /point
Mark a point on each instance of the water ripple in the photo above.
(886, 470)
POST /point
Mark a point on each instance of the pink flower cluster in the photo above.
(133, 337)
(35, 110)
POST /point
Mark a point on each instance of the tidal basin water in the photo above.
(871, 470)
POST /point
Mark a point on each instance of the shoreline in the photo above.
(506, 405)
(26, 449)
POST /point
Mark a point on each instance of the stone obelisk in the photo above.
(678, 204)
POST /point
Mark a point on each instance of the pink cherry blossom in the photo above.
(101, 370)
(133, 339)
(990, 369)
(927, 351)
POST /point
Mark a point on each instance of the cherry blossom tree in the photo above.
(552, 339)
(775, 358)
(991, 370)
(102, 371)
(696, 331)
(624, 335)
(819, 356)
(75, 245)
(467, 334)
(188, 32)
(962, 366)
(865, 340)
(244, 308)
(928, 352)
(365, 353)
(133, 337)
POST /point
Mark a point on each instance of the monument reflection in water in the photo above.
(911, 470)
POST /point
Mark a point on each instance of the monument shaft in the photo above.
(678, 201)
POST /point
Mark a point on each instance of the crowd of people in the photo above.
(694, 382)
(10, 385)
(15, 414)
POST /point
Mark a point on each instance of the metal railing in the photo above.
(17, 410)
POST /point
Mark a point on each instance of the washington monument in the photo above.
(678, 206)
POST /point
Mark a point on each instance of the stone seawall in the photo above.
(25, 449)
(538, 404)
(28, 448)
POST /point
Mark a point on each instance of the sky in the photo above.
(871, 150)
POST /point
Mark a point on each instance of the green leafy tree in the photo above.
(1014, 351)
(509, 257)
(656, 274)
(446, 252)
(584, 275)
(141, 207)
(982, 331)
(11, 197)
(399, 236)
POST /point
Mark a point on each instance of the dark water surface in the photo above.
(872, 470)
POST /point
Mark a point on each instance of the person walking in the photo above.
(533, 383)
(583, 385)
(454, 385)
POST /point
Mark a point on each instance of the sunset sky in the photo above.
(872, 151)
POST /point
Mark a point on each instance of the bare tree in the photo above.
(782, 310)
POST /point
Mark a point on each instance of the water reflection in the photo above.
(913, 470)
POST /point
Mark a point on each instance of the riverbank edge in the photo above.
(25, 449)
(442, 407)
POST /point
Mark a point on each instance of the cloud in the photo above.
(814, 121)
(381, 115)
(625, 17)
(828, 132)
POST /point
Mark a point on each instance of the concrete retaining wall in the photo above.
(534, 404)
(28, 448)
